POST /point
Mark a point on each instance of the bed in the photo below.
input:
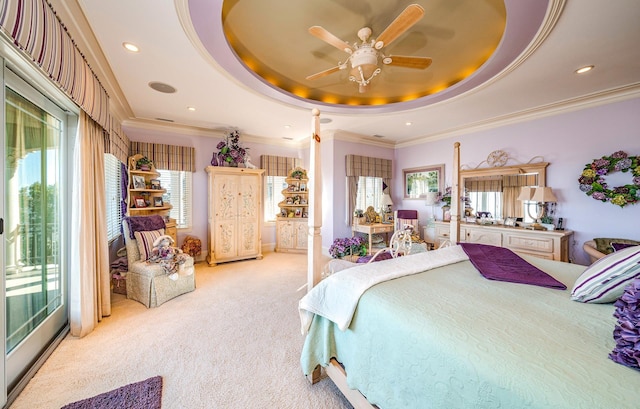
(447, 337)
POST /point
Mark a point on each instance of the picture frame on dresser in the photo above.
(157, 201)
(419, 181)
(510, 222)
(138, 182)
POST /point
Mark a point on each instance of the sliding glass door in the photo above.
(34, 266)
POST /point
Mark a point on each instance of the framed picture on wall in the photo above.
(419, 181)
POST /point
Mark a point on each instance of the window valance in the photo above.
(278, 165)
(489, 184)
(167, 157)
(118, 142)
(369, 167)
(38, 33)
(529, 179)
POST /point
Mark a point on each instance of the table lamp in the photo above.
(540, 195)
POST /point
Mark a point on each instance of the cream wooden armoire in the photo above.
(235, 214)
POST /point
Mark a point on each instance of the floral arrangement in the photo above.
(349, 246)
(446, 196)
(230, 150)
(627, 330)
(593, 184)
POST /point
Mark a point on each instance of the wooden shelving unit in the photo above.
(141, 190)
(291, 223)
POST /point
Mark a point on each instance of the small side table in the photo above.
(372, 229)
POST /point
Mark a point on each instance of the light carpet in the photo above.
(234, 342)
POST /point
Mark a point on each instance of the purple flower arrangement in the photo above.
(627, 330)
(349, 246)
(230, 151)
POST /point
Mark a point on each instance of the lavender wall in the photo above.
(334, 186)
(568, 141)
(204, 148)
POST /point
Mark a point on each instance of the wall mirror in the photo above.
(494, 190)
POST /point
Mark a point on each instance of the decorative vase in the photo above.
(214, 160)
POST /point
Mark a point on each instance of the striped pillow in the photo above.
(145, 241)
(605, 280)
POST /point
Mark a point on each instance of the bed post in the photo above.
(314, 247)
(454, 225)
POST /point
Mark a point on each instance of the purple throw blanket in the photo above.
(144, 223)
(502, 264)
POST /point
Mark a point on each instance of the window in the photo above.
(112, 180)
(272, 196)
(487, 202)
(369, 193)
(178, 192)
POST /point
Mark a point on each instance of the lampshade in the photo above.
(526, 192)
(386, 200)
(544, 195)
(432, 198)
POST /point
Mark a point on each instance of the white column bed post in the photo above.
(314, 247)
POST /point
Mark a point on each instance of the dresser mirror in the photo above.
(493, 191)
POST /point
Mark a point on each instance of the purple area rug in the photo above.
(145, 394)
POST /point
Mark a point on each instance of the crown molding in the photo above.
(575, 104)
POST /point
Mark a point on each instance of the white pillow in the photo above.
(145, 241)
(605, 280)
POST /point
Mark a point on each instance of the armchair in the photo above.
(149, 283)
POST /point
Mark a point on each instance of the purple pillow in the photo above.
(627, 329)
(621, 246)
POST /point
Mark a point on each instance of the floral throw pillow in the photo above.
(627, 329)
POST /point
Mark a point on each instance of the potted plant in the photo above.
(547, 222)
(144, 163)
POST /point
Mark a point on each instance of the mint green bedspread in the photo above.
(449, 338)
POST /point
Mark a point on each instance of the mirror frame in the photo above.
(540, 168)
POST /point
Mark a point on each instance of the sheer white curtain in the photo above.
(89, 285)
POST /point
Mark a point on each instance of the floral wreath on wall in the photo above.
(592, 180)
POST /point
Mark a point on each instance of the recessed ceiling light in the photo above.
(408, 123)
(162, 87)
(287, 127)
(131, 47)
(325, 120)
(584, 69)
(191, 108)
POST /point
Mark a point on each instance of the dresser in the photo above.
(548, 244)
(234, 209)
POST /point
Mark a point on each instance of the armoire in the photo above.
(234, 209)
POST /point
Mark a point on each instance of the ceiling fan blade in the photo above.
(402, 23)
(329, 38)
(409, 62)
(323, 73)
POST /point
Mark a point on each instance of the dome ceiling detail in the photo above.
(268, 47)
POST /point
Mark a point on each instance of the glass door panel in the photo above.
(33, 252)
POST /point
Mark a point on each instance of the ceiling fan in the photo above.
(363, 57)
